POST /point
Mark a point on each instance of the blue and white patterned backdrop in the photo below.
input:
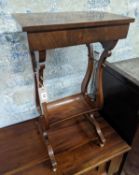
(65, 67)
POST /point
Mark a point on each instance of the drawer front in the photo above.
(56, 39)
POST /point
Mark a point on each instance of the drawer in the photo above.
(56, 39)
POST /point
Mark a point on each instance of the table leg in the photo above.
(41, 102)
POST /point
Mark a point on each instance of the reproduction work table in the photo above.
(70, 136)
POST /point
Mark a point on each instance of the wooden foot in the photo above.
(50, 152)
(92, 119)
(49, 148)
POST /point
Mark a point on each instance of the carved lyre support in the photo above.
(41, 88)
(98, 73)
(34, 67)
(108, 46)
(84, 88)
(41, 102)
(89, 71)
(97, 69)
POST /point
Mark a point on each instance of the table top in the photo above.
(33, 22)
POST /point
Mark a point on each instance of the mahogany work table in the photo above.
(55, 30)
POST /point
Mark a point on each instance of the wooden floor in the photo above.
(75, 143)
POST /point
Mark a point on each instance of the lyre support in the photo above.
(41, 102)
(35, 69)
(42, 59)
(89, 71)
(95, 67)
(108, 46)
(41, 94)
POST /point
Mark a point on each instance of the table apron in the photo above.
(57, 39)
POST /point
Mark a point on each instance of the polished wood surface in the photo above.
(54, 30)
(69, 107)
(56, 39)
(24, 151)
(36, 22)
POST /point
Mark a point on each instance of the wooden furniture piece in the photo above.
(54, 30)
(75, 143)
(123, 94)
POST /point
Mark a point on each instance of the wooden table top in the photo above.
(33, 22)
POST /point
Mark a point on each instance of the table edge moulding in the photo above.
(56, 30)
